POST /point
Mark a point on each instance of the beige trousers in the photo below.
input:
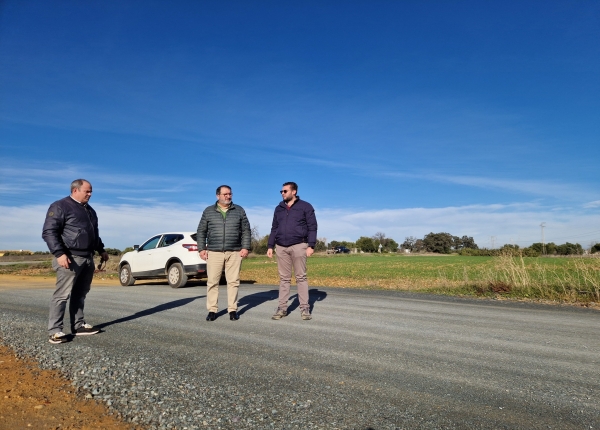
(216, 261)
(289, 257)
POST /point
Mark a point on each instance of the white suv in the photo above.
(173, 256)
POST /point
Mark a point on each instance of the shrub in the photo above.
(366, 244)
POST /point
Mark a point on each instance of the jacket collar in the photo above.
(231, 206)
(284, 204)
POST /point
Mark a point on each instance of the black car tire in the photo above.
(125, 276)
(176, 276)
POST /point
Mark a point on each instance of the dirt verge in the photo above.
(42, 399)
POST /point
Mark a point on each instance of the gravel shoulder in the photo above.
(368, 359)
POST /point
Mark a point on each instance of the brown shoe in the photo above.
(279, 314)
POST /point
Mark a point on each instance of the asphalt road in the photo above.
(368, 359)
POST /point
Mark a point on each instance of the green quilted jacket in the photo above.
(216, 233)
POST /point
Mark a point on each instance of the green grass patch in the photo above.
(556, 279)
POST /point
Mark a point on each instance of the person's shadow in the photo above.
(252, 300)
(314, 295)
(160, 308)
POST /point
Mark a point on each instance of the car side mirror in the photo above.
(136, 247)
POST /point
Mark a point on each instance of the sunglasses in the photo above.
(284, 191)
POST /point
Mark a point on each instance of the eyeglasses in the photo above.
(284, 191)
(226, 194)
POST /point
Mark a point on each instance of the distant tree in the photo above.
(112, 251)
(537, 246)
(464, 242)
(366, 244)
(419, 245)
(260, 246)
(508, 249)
(320, 246)
(390, 245)
(409, 243)
(595, 248)
(335, 244)
(128, 249)
(569, 249)
(441, 243)
(547, 249)
(379, 237)
(254, 237)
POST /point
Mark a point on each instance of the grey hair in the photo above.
(77, 183)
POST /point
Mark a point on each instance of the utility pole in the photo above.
(493, 241)
(543, 241)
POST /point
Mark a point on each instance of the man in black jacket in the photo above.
(223, 238)
(71, 233)
(294, 232)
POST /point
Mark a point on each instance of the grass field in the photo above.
(571, 280)
(558, 279)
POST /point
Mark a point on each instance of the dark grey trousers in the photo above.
(73, 283)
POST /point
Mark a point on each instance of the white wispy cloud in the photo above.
(594, 204)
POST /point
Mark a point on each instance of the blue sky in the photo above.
(403, 117)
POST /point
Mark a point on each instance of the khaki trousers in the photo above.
(289, 257)
(216, 261)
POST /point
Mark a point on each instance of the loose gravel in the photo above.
(402, 362)
(152, 392)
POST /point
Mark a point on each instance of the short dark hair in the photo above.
(293, 185)
(77, 183)
(222, 186)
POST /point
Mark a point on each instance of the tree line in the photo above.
(439, 243)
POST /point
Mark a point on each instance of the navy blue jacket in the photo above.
(71, 228)
(294, 224)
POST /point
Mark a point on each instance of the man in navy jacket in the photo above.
(294, 232)
(71, 233)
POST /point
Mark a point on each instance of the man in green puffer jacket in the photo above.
(223, 238)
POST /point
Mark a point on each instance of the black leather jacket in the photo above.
(71, 228)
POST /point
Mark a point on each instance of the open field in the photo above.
(567, 280)
(572, 280)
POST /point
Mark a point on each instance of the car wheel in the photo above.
(176, 276)
(125, 276)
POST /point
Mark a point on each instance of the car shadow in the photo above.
(160, 308)
(314, 295)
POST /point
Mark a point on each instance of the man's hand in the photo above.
(309, 251)
(270, 252)
(204, 254)
(104, 257)
(63, 261)
(244, 253)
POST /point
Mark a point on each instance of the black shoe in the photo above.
(211, 316)
(233, 316)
